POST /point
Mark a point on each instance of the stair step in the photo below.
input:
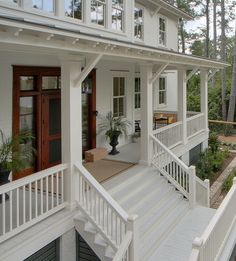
(154, 239)
(88, 227)
(99, 240)
(109, 253)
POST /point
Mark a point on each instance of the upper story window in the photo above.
(98, 10)
(117, 15)
(137, 93)
(45, 5)
(119, 96)
(74, 8)
(162, 31)
(138, 23)
(162, 91)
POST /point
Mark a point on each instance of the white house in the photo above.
(64, 61)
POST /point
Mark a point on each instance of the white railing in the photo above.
(29, 200)
(110, 220)
(203, 192)
(170, 135)
(169, 165)
(210, 245)
(195, 125)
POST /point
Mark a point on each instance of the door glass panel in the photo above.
(49, 82)
(54, 151)
(54, 116)
(27, 124)
(27, 83)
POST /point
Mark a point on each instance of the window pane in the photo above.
(117, 3)
(122, 86)
(26, 83)
(54, 151)
(115, 86)
(138, 23)
(115, 107)
(117, 20)
(121, 107)
(49, 82)
(54, 116)
(46, 5)
(74, 8)
(78, 9)
(98, 11)
(69, 8)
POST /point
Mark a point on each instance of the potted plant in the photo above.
(114, 127)
(15, 153)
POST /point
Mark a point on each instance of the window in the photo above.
(162, 90)
(45, 5)
(137, 94)
(117, 15)
(74, 8)
(162, 31)
(118, 96)
(98, 10)
(138, 23)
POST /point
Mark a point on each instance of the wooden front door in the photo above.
(36, 108)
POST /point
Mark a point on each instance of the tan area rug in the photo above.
(105, 169)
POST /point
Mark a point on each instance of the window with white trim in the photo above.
(162, 91)
(138, 23)
(44, 5)
(162, 31)
(98, 12)
(117, 15)
(118, 96)
(74, 9)
(137, 93)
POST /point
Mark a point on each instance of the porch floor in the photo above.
(128, 153)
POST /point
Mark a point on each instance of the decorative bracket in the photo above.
(211, 75)
(158, 73)
(190, 75)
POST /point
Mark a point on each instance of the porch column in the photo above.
(146, 113)
(204, 96)
(71, 123)
(182, 102)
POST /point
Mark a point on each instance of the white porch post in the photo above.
(71, 124)
(182, 102)
(146, 113)
(204, 96)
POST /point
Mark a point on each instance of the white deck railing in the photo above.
(169, 165)
(31, 199)
(195, 125)
(109, 219)
(210, 245)
(170, 135)
(203, 192)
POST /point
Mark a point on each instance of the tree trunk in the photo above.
(207, 29)
(223, 58)
(214, 37)
(232, 101)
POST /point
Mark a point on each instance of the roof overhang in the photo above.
(25, 33)
(167, 8)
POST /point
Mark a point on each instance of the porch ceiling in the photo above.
(27, 33)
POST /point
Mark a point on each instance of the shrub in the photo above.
(214, 142)
(229, 182)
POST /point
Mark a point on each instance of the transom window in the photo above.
(138, 23)
(117, 15)
(137, 94)
(118, 96)
(74, 8)
(98, 10)
(45, 5)
(162, 91)
(162, 31)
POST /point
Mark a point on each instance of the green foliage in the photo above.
(111, 125)
(214, 142)
(15, 151)
(228, 183)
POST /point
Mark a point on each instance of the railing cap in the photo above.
(197, 242)
(132, 217)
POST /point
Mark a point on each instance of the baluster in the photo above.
(103, 212)
(23, 205)
(41, 194)
(62, 186)
(3, 214)
(116, 230)
(47, 194)
(30, 201)
(17, 208)
(57, 184)
(52, 191)
(112, 224)
(10, 210)
(36, 198)
(107, 219)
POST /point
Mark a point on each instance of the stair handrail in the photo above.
(211, 243)
(123, 252)
(185, 180)
(99, 199)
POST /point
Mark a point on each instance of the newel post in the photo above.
(192, 186)
(134, 246)
(207, 182)
(196, 249)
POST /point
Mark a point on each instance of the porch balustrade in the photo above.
(29, 200)
(210, 245)
(195, 125)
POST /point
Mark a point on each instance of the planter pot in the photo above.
(114, 142)
(4, 179)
